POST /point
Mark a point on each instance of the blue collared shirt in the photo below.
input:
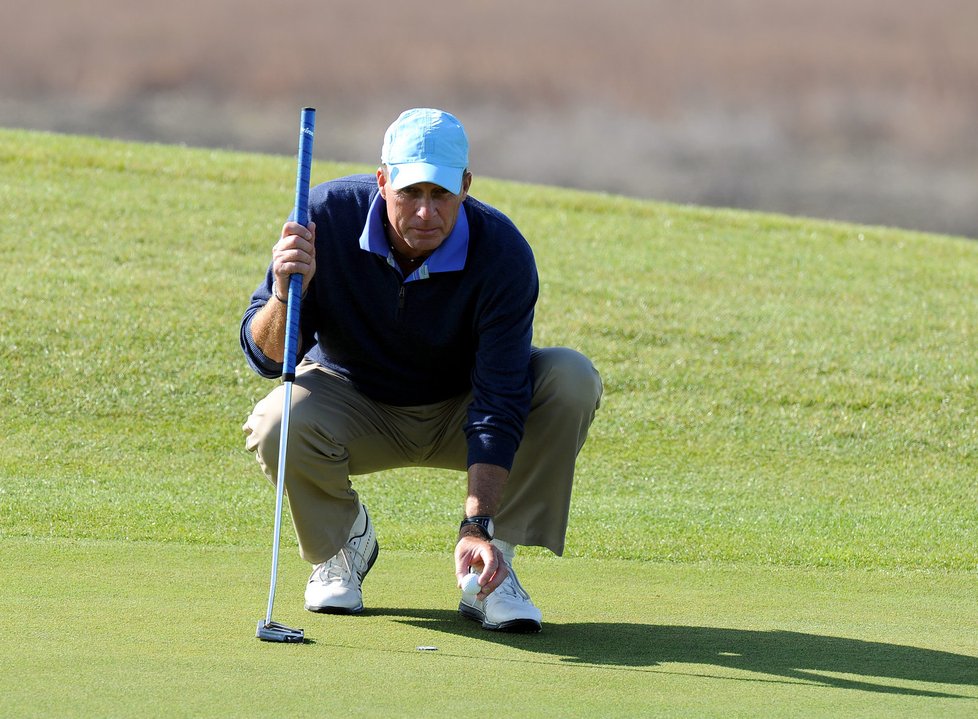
(449, 257)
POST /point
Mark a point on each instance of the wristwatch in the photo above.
(483, 523)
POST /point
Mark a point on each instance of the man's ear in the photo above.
(382, 182)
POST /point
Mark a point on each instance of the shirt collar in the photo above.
(449, 257)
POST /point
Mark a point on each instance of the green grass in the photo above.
(124, 628)
(784, 461)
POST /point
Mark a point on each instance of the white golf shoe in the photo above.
(507, 609)
(334, 586)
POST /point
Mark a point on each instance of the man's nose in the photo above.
(426, 208)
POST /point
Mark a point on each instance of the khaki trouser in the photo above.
(336, 432)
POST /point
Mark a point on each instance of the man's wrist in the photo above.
(284, 300)
(480, 526)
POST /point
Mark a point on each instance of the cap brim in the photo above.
(411, 173)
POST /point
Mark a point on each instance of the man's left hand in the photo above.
(483, 557)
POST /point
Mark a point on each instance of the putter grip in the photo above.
(307, 128)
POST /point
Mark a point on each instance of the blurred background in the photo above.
(863, 110)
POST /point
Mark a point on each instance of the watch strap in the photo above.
(483, 523)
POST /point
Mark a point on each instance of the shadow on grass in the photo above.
(779, 655)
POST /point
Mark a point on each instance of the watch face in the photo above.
(485, 522)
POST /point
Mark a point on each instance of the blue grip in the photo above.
(307, 128)
(292, 328)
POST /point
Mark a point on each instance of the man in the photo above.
(415, 329)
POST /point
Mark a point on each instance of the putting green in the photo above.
(123, 629)
(787, 430)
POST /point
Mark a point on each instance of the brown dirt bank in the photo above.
(863, 109)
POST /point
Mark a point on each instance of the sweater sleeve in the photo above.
(501, 382)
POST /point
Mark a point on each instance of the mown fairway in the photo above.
(775, 514)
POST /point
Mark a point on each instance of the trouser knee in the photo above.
(264, 427)
(568, 377)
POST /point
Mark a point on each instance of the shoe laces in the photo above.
(346, 563)
(511, 587)
(336, 568)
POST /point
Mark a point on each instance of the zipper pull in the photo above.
(400, 301)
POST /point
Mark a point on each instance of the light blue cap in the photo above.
(426, 145)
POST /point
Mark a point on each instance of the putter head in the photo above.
(275, 632)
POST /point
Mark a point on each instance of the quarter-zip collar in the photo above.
(449, 257)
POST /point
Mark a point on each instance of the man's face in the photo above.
(422, 215)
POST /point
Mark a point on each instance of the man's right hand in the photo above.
(294, 253)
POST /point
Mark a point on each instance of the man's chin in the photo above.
(425, 241)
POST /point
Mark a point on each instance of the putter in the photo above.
(269, 631)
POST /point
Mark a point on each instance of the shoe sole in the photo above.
(513, 626)
(333, 609)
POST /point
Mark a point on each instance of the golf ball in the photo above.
(470, 585)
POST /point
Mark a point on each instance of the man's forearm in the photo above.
(268, 329)
(486, 482)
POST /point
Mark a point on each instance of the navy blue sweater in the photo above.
(422, 341)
